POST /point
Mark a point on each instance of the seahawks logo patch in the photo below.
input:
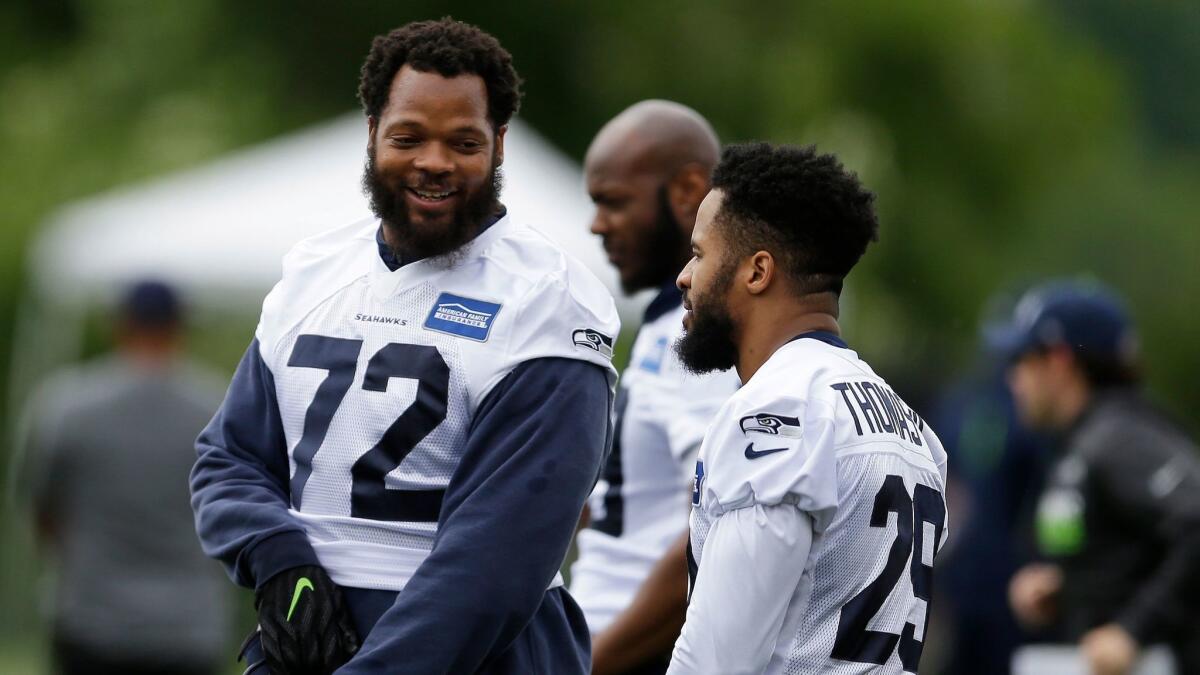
(592, 339)
(771, 424)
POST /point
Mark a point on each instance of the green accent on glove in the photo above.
(302, 584)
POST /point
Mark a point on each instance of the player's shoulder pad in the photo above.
(771, 444)
(564, 310)
(768, 450)
(313, 270)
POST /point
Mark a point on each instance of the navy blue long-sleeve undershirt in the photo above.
(478, 603)
(240, 482)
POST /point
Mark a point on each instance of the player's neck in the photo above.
(769, 326)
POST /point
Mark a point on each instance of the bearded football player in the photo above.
(404, 450)
(817, 503)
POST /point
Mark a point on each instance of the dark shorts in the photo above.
(73, 659)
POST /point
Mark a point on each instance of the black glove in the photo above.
(305, 627)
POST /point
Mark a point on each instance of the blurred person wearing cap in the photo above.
(1118, 522)
(108, 449)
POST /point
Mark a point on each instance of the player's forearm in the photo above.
(650, 625)
(752, 564)
(240, 482)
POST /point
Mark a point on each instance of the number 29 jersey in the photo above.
(816, 427)
(378, 374)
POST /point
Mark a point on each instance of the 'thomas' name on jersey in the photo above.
(639, 506)
(816, 427)
(378, 374)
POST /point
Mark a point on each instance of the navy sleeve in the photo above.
(240, 482)
(532, 456)
(1154, 480)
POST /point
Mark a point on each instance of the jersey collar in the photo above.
(393, 263)
(386, 282)
(823, 336)
(669, 297)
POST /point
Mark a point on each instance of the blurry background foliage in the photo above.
(1006, 140)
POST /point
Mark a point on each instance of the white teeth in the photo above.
(431, 195)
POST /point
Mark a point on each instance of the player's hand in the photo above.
(305, 627)
(1032, 594)
(1109, 650)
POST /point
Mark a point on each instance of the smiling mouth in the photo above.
(432, 195)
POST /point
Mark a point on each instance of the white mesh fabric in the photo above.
(850, 555)
(335, 286)
(361, 420)
(832, 466)
(701, 522)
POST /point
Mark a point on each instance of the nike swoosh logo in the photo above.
(300, 586)
(751, 453)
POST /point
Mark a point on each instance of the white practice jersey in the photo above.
(816, 427)
(640, 504)
(379, 373)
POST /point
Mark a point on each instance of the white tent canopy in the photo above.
(219, 231)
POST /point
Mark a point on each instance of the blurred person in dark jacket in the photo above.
(108, 450)
(1118, 521)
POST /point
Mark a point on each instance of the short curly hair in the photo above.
(450, 48)
(813, 215)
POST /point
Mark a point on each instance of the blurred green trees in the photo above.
(1006, 141)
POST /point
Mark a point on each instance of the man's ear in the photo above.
(760, 272)
(685, 191)
(372, 125)
(499, 152)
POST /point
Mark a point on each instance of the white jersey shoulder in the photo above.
(512, 288)
(314, 270)
(564, 311)
(779, 438)
(816, 427)
(353, 346)
(639, 506)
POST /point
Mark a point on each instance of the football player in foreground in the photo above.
(404, 451)
(647, 171)
(818, 503)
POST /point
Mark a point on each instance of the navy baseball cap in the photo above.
(151, 302)
(1084, 316)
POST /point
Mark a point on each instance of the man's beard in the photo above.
(415, 243)
(659, 250)
(708, 345)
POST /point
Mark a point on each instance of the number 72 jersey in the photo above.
(817, 427)
(378, 375)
